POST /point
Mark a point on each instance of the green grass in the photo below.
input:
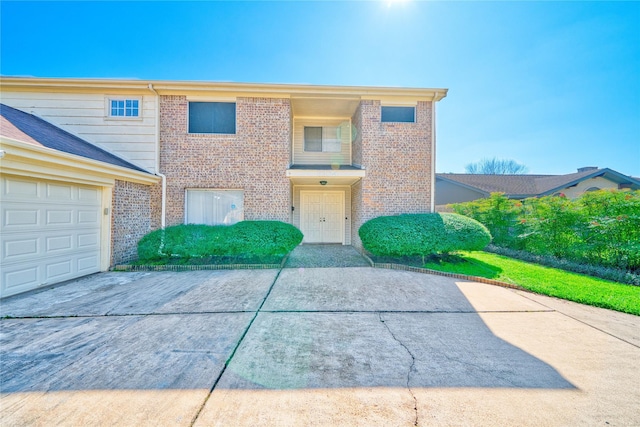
(546, 280)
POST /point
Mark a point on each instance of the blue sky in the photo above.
(552, 85)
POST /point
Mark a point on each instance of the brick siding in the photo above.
(130, 219)
(397, 158)
(254, 159)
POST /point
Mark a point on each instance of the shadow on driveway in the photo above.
(322, 328)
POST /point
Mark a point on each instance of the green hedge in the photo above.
(422, 234)
(600, 228)
(196, 241)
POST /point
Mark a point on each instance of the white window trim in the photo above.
(107, 107)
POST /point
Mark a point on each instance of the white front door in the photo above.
(322, 216)
(49, 232)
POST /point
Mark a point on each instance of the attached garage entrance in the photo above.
(322, 216)
(50, 232)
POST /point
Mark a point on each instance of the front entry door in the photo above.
(321, 216)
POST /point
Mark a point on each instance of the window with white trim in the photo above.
(214, 206)
(124, 107)
(212, 117)
(398, 114)
(322, 139)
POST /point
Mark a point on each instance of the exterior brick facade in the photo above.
(254, 159)
(384, 170)
(130, 219)
(397, 158)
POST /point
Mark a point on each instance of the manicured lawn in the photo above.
(546, 280)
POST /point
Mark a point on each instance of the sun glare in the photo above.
(391, 2)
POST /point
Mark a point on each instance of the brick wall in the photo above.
(254, 159)
(156, 206)
(130, 219)
(397, 158)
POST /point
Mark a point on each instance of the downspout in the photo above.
(163, 215)
(433, 152)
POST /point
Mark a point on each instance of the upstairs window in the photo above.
(124, 108)
(399, 114)
(324, 139)
(212, 117)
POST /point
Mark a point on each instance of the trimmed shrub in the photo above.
(262, 238)
(423, 234)
(196, 241)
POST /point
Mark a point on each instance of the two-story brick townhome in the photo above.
(324, 158)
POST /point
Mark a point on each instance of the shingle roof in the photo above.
(25, 127)
(531, 185)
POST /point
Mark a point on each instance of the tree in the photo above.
(496, 166)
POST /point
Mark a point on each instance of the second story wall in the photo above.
(397, 158)
(87, 115)
(253, 159)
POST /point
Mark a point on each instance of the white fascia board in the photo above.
(222, 88)
(321, 173)
(22, 158)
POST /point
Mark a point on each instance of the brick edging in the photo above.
(402, 267)
(127, 267)
(195, 267)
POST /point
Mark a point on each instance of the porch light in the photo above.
(323, 182)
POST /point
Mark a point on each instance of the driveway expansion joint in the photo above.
(583, 322)
(230, 358)
(411, 367)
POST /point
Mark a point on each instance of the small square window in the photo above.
(399, 114)
(212, 117)
(124, 108)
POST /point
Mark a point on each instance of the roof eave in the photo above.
(467, 186)
(610, 173)
(165, 87)
(23, 158)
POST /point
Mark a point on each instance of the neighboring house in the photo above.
(324, 158)
(457, 188)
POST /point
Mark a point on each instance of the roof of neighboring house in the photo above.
(520, 186)
(25, 127)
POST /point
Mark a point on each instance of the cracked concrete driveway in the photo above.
(311, 346)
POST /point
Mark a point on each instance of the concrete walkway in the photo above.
(311, 346)
(324, 256)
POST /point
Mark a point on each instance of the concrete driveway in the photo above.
(312, 346)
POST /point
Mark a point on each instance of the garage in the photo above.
(57, 204)
(50, 232)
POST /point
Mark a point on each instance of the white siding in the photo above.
(347, 205)
(300, 157)
(85, 115)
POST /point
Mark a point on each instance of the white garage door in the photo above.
(50, 232)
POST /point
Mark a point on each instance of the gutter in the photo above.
(163, 216)
(433, 152)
